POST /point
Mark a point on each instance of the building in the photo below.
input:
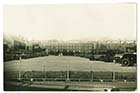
(87, 47)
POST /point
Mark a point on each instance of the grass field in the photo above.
(63, 63)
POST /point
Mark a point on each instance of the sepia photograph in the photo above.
(70, 47)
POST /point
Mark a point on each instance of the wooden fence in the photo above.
(70, 76)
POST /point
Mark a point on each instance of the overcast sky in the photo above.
(71, 21)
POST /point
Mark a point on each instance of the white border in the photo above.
(63, 1)
(19, 2)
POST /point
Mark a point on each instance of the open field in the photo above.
(64, 63)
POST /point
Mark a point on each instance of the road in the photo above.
(69, 86)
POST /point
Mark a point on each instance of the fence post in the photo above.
(43, 73)
(91, 72)
(113, 76)
(67, 75)
(19, 75)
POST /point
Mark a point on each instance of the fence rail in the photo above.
(70, 75)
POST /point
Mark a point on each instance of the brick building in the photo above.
(88, 46)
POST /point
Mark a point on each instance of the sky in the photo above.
(71, 21)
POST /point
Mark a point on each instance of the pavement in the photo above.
(69, 86)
